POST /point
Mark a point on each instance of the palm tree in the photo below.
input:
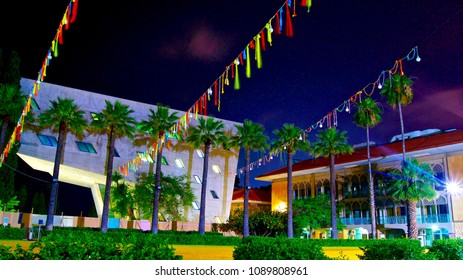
(369, 115)
(63, 117)
(209, 133)
(411, 183)
(331, 142)
(398, 92)
(249, 136)
(290, 139)
(156, 126)
(13, 101)
(115, 122)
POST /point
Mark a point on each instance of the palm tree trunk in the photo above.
(5, 121)
(202, 210)
(246, 195)
(55, 183)
(157, 191)
(109, 173)
(371, 189)
(411, 220)
(402, 131)
(290, 194)
(334, 227)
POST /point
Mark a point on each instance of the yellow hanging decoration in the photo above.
(54, 47)
(227, 82)
(258, 54)
(269, 32)
(237, 77)
(248, 63)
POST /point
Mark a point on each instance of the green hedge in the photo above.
(268, 248)
(447, 249)
(9, 233)
(93, 245)
(394, 249)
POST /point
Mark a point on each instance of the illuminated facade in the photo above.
(84, 159)
(440, 218)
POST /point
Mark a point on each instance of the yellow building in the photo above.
(440, 218)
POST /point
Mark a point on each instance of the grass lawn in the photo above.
(211, 252)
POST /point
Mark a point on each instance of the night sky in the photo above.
(171, 52)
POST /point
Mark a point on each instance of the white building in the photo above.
(84, 160)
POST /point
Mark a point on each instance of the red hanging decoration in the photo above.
(74, 11)
(60, 34)
(215, 92)
(233, 69)
(262, 40)
(289, 25)
(205, 104)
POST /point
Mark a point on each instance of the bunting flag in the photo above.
(331, 118)
(280, 20)
(68, 17)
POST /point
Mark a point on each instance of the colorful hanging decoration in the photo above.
(68, 17)
(331, 118)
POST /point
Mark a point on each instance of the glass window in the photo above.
(94, 116)
(179, 163)
(200, 153)
(34, 105)
(48, 140)
(216, 169)
(85, 147)
(197, 179)
(214, 194)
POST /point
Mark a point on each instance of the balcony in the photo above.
(429, 219)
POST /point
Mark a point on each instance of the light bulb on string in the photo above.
(321, 125)
(418, 58)
(300, 137)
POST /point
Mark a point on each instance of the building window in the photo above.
(214, 194)
(94, 116)
(145, 157)
(179, 163)
(200, 153)
(197, 179)
(34, 105)
(216, 169)
(438, 171)
(47, 140)
(85, 147)
(195, 205)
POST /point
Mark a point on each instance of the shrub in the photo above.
(6, 253)
(93, 245)
(268, 248)
(394, 249)
(447, 249)
(9, 233)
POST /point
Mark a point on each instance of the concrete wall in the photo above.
(87, 169)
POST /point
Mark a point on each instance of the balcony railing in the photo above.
(440, 218)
